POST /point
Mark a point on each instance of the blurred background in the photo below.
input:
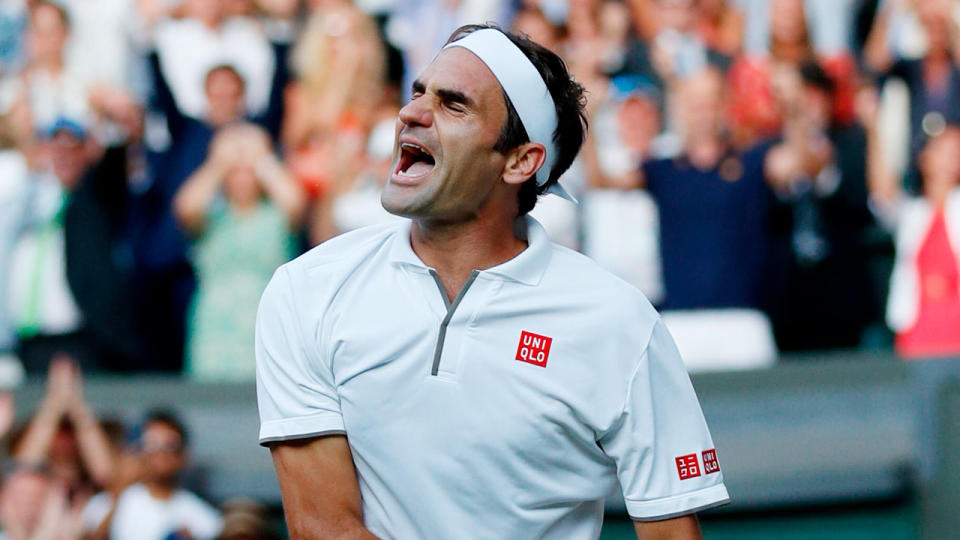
(780, 177)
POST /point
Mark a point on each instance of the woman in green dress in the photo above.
(241, 207)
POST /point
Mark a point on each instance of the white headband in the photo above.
(527, 92)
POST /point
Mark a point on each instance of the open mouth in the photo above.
(414, 160)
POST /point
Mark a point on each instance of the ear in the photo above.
(523, 162)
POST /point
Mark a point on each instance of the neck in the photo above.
(160, 490)
(937, 193)
(52, 66)
(455, 250)
(704, 151)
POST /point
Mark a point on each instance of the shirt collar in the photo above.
(527, 267)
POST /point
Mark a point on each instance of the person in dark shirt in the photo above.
(933, 80)
(819, 170)
(715, 208)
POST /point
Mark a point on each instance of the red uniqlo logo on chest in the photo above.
(534, 348)
(710, 463)
(688, 466)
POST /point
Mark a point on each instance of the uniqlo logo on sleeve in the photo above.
(710, 463)
(534, 349)
(688, 466)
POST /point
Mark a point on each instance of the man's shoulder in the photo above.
(618, 298)
(345, 250)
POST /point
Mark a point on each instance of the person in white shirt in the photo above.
(155, 507)
(457, 375)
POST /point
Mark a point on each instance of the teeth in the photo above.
(415, 147)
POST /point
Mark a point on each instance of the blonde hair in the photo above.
(317, 66)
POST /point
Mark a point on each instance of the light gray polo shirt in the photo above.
(508, 413)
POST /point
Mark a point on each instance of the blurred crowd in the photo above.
(797, 159)
(69, 475)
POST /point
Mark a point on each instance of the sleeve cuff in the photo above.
(677, 505)
(301, 427)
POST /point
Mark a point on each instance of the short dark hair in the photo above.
(569, 99)
(167, 418)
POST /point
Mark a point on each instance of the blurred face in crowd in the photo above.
(702, 98)
(638, 122)
(208, 12)
(241, 186)
(445, 166)
(939, 161)
(164, 453)
(225, 96)
(614, 20)
(22, 498)
(788, 22)
(47, 34)
(677, 14)
(68, 157)
(936, 18)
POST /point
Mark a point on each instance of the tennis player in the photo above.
(456, 375)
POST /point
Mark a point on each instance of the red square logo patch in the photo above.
(710, 463)
(533, 348)
(688, 466)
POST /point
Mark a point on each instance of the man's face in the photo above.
(444, 167)
(68, 157)
(163, 453)
(225, 94)
(702, 99)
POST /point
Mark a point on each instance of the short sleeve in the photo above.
(665, 458)
(296, 393)
(95, 511)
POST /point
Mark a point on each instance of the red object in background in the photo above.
(752, 110)
(937, 330)
(842, 70)
(688, 466)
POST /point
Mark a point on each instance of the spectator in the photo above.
(166, 278)
(359, 205)
(620, 221)
(241, 239)
(923, 307)
(34, 506)
(154, 507)
(720, 26)
(65, 438)
(67, 288)
(340, 66)
(13, 190)
(715, 209)
(819, 170)
(203, 37)
(933, 80)
(753, 108)
(49, 86)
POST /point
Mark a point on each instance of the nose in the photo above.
(417, 112)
